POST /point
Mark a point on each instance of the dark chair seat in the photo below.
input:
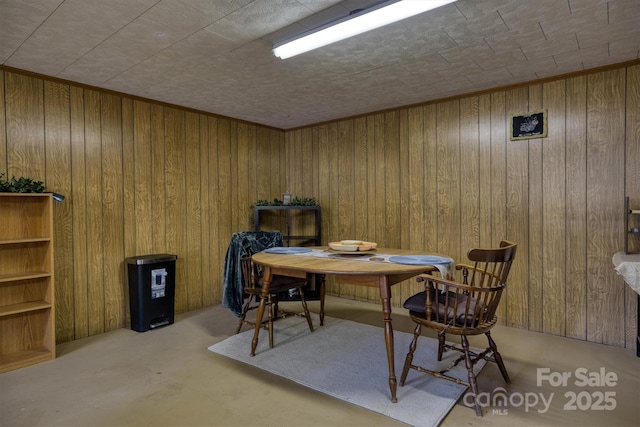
(450, 307)
(280, 283)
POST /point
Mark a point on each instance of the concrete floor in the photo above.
(167, 377)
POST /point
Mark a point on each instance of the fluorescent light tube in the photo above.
(352, 26)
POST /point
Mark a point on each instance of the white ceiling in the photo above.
(215, 55)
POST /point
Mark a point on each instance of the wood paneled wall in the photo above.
(141, 177)
(444, 177)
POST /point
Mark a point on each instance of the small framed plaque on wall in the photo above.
(529, 125)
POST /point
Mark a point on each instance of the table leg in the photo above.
(260, 314)
(385, 296)
(321, 279)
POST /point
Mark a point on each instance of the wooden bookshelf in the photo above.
(27, 317)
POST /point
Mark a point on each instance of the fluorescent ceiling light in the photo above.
(353, 25)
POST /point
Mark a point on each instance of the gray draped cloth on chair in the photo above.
(241, 245)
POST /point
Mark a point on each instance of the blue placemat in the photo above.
(420, 259)
(287, 250)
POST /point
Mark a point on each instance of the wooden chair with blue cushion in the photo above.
(464, 309)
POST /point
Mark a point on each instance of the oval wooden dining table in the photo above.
(347, 270)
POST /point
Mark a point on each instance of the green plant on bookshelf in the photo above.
(20, 185)
(296, 201)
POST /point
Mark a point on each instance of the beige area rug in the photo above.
(348, 360)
